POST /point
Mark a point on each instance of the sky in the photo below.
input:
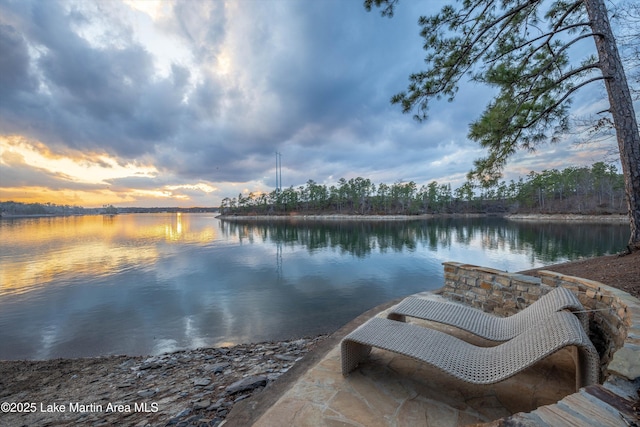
(183, 103)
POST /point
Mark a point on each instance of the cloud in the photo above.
(208, 91)
(14, 67)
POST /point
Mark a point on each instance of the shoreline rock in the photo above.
(614, 218)
(184, 388)
(568, 218)
(336, 217)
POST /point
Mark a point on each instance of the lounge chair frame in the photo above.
(470, 363)
(485, 325)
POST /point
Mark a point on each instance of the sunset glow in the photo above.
(75, 166)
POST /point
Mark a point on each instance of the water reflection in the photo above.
(141, 284)
(546, 242)
(41, 250)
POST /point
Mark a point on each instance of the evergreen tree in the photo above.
(521, 47)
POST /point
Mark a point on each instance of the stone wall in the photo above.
(493, 291)
(612, 323)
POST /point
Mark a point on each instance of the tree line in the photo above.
(11, 208)
(598, 189)
(16, 209)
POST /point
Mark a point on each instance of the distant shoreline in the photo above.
(344, 217)
(26, 216)
(511, 217)
(614, 218)
(568, 218)
(125, 211)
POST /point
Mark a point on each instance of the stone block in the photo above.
(489, 306)
(603, 306)
(536, 290)
(486, 270)
(457, 297)
(475, 303)
(450, 269)
(486, 285)
(503, 280)
(573, 288)
(471, 281)
(486, 277)
(507, 296)
(497, 294)
(622, 312)
(549, 278)
(626, 362)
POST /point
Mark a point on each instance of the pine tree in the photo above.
(521, 47)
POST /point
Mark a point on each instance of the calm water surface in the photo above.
(150, 283)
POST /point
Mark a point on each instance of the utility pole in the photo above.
(280, 167)
(278, 172)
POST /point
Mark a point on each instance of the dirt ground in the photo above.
(189, 388)
(622, 272)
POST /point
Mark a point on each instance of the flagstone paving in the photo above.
(390, 390)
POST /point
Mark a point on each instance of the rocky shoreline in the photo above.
(569, 218)
(332, 217)
(184, 388)
(513, 217)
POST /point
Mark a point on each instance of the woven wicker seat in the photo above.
(470, 363)
(485, 325)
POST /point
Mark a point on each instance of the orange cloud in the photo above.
(76, 166)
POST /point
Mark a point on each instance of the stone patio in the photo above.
(393, 390)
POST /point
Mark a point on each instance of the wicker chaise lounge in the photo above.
(485, 325)
(470, 363)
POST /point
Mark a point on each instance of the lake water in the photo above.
(151, 283)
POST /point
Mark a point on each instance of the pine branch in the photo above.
(548, 35)
(561, 100)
